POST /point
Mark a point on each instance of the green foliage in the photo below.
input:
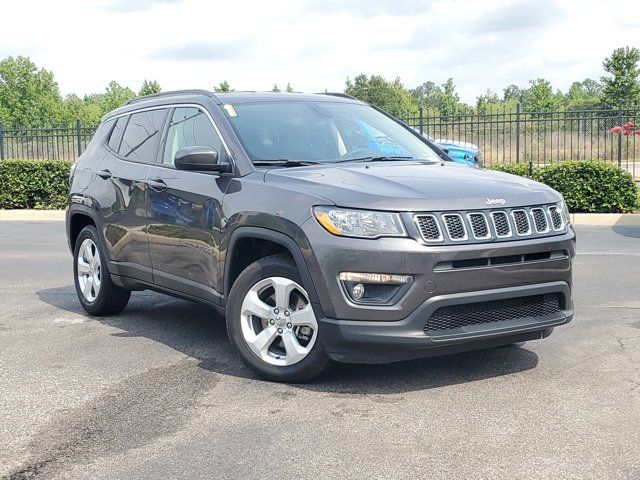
(113, 97)
(289, 88)
(275, 88)
(28, 97)
(149, 87)
(389, 96)
(427, 95)
(622, 86)
(539, 97)
(448, 99)
(40, 184)
(583, 95)
(223, 87)
(587, 186)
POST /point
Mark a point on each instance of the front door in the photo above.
(184, 210)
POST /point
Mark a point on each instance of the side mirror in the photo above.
(199, 159)
(445, 150)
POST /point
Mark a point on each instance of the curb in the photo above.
(593, 219)
(32, 215)
(606, 219)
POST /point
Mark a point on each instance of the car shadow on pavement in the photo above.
(199, 332)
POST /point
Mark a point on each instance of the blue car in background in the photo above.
(462, 152)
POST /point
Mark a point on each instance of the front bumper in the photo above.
(382, 342)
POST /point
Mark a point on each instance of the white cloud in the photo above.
(316, 45)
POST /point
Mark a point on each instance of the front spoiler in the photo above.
(355, 341)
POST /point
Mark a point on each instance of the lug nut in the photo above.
(289, 325)
(279, 330)
(276, 311)
(287, 313)
(272, 321)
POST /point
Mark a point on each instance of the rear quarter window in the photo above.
(116, 133)
(142, 136)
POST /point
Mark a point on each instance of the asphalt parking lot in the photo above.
(159, 393)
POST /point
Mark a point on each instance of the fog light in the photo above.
(358, 291)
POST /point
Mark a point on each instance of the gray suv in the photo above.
(322, 227)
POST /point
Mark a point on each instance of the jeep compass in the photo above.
(323, 228)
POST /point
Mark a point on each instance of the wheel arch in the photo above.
(285, 244)
(79, 217)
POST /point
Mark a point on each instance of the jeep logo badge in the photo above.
(495, 201)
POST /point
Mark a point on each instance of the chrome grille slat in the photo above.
(455, 227)
(429, 228)
(479, 225)
(490, 224)
(539, 220)
(501, 224)
(521, 221)
(557, 222)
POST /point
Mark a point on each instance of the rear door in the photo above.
(184, 209)
(133, 148)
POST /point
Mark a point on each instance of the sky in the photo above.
(316, 45)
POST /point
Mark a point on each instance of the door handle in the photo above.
(158, 185)
(104, 174)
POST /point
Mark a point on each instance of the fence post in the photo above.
(619, 136)
(421, 120)
(78, 138)
(1, 141)
(518, 133)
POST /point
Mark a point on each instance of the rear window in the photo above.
(142, 136)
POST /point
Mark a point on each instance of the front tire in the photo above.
(271, 322)
(96, 291)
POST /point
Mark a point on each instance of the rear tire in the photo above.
(271, 322)
(96, 291)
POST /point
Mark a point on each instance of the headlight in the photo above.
(359, 223)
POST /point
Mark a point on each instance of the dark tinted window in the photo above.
(190, 127)
(116, 133)
(142, 136)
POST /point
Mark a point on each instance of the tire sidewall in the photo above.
(311, 366)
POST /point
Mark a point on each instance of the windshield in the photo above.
(321, 132)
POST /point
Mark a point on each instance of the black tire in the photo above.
(314, 364)
(110, 299)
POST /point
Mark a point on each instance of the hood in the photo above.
(412, 186)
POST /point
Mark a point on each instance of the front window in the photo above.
(321, 132)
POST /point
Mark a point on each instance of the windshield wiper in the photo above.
(285, 162)
(374, 159)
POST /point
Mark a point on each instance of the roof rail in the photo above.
(170, 93)
(340, 94)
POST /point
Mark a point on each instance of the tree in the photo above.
(484, 103)
(149, 87)
(512, 92)
(275, 88)
(223, 87)
(448, 99)
(76, 108)
(426, 95)
(583, 95)
(289, 88)
(28, 96)
(539, 96)
(115, 95)
(389, 96)
(621, 87)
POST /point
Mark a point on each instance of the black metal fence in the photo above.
(45, 143)
(540, 138)
(503, 136)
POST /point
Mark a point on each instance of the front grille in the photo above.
(455, 227)
(457, 316)
(556, 218)
(540, 220)
(490, 224)
(501, 224)
(522, 222)
(429, 228)
(479, 225)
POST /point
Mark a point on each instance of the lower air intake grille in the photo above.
(456, 316)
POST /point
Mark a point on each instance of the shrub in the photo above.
(587, 186)
(40, 184)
